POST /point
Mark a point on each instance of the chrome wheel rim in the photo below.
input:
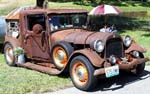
(80, 74)
(60, 57)
(9, 55)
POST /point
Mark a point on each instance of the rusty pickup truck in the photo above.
(57, 40)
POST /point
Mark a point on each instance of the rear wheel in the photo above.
(81, 72)
(9, 54)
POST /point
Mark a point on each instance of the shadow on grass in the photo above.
(129, 3)
(60, 1)
(64, 75)
(146, 35)
(96, 3)
(120, 81)
(1, 48)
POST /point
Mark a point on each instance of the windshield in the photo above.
(57, 22)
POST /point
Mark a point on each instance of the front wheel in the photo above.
(81, 72)
(9, 54)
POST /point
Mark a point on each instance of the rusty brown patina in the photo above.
(41, 31)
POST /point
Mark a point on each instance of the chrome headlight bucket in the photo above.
(136, 54)
(127, 41)
(98, 45)
(113, 59)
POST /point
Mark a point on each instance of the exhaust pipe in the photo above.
(42, 3)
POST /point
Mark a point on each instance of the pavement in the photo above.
(125, 83)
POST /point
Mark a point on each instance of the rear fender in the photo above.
(14, 42)
(136, 47)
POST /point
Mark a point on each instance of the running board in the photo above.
(49, 70)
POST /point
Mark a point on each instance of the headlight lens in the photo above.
(127, 41)
(98, 45)
(136, 54)
(113, 59)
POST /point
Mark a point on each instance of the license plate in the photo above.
(111, 71)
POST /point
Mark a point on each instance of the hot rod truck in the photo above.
(56, 41)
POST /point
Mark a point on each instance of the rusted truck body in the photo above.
(57, 40)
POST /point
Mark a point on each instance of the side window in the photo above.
(60, 22)
(54, 23)
(36, 19)
(57, 22)
(79, 20)
(13, 28)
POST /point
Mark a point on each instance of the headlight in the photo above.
(127, 41)
(98, 45)
(136, 54)
(113, 59)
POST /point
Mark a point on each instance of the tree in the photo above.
(144, 0)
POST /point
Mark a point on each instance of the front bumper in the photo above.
(124, 66)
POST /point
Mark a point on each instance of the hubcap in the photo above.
(9, 55)
(80, 73)
(60, 57)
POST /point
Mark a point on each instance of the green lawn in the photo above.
(16, 80)
(7, 5)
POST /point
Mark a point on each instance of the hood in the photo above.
(80, 36)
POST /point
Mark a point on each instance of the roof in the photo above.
(14, 15)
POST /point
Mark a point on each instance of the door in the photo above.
(36, 38)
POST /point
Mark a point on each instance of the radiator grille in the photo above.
(114, 47)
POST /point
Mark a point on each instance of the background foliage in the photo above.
(114, 2)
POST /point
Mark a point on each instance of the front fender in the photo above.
(137, 47)
(93, 57)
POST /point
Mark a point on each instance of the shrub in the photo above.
(19, 51)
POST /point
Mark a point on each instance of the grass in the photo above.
(21, 81)
(133, 8)
(72, 5)
(7, 5)
(68, 5)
